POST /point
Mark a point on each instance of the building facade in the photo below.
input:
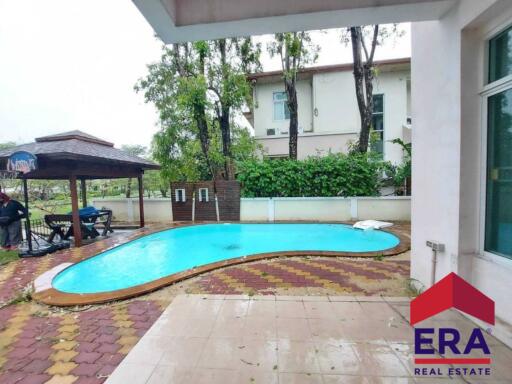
(328, 114)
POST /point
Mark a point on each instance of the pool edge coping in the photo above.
(52, 296)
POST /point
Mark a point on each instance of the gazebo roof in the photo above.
(81, 154)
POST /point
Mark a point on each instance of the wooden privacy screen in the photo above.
(228, 195)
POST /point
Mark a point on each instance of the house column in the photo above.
(83, 188)
(141, 200)
(77, 230)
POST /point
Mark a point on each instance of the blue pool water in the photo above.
(164, 253)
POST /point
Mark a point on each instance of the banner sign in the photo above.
(22, 161)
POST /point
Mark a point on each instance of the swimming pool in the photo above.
(173, 251)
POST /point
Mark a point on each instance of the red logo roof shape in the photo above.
(452, 292)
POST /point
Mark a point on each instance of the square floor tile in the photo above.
(297, 357)
(290, 309)
(260, 328)
(221, 353)
(299, 378)
(293, 329)
(262, 309)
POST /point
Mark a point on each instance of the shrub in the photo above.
(333, 175)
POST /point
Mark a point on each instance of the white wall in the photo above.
(333, 96)
(448, 71)
(264, 107)
(390, 208)
(155, 210)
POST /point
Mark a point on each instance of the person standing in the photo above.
(11, 213)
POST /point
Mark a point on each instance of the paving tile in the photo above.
(63, 355)
(87, 357)
(344, 379)
(290, 310)
(34, 379)
(57, 379)
(214, 376)
(61, 368)
(170, 374)
(293, 329)
(300, 378)
(261, 308)
(298, 357)
(260, 327)
(37, 366)
(131, 373)
(183, 352)
(220, 353)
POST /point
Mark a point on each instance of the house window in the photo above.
(378, 124)
(498, 204)
(500, 55)
(203, 194)
(179, 195)
(281, 111)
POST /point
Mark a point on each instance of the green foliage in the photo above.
(398, 174)
(355, 174)
(8, 256)
(195, 87)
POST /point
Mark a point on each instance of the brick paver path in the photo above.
(39, 344)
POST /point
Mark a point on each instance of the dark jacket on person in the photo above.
(11, 212)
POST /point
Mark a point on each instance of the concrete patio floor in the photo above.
(288, 339)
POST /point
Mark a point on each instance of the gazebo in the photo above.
(76, 156)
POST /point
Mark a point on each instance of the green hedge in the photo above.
(332, 175)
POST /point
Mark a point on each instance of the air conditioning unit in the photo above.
(283, 131)
(271, 131)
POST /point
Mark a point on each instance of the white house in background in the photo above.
(461, 71)
(328, 113)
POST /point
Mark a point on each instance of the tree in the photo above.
(232, 60)
(365, 40)
(197, 89)
(135, 150)
(295, 50)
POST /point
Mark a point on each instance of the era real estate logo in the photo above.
(451, 292)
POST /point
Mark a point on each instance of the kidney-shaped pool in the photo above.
(165, 253)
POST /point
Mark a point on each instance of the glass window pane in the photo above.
(500, 55)
(498, 226)
(378, 122)
(286, 110)
(278, 110)
(378, 103)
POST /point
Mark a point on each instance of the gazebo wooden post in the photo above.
(141, 200)
(83, 190)
(77, 230)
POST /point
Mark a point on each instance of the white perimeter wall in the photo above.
(447, 77)
(391, 208)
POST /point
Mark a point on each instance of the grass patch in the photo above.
(8, 256)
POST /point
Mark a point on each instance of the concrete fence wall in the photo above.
(391, 208)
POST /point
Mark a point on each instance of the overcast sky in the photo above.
(68, 65)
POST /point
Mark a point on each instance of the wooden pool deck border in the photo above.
(52, 296)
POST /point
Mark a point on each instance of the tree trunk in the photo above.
(129, 188)
(202, 124)
(293, 130)
(225, 129)
(225, 125)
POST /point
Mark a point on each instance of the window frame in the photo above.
(200, 196)
(383, 114)
(489, 90)
(184, 195)
(281, 102)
